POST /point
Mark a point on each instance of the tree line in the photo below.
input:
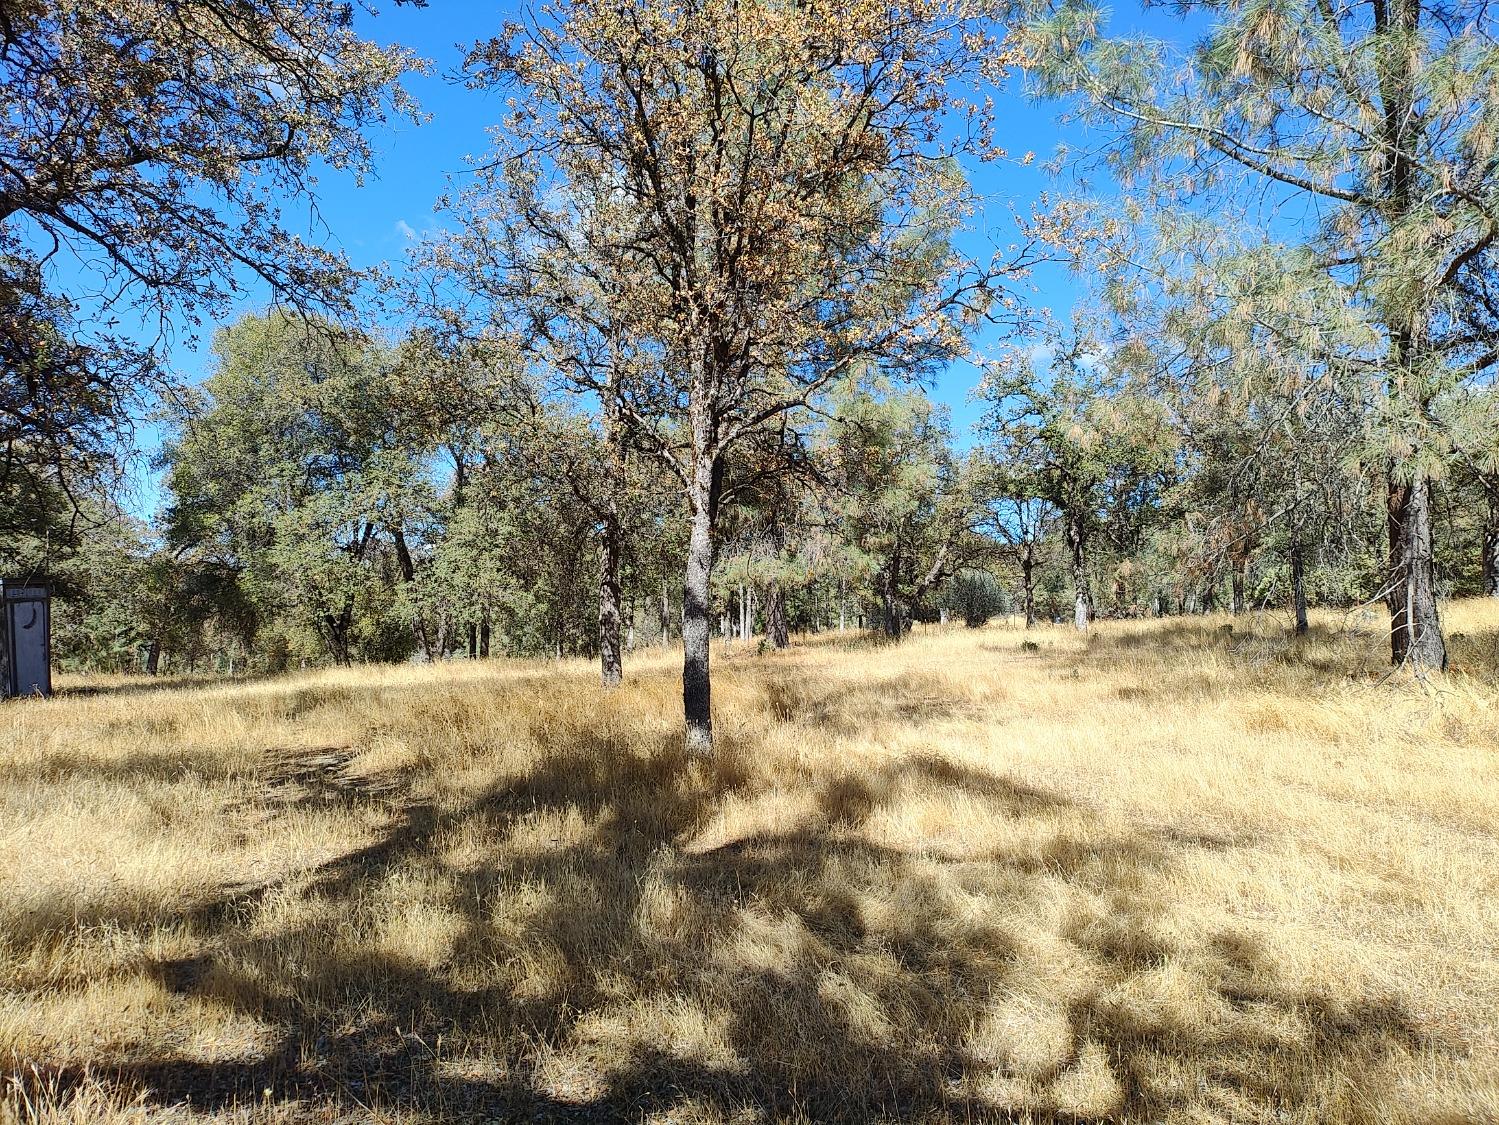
(661, 377)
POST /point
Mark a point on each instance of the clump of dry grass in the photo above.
(1165, 873)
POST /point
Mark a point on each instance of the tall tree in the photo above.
(1073, 432)
(771, 189)
(292, 467)
(1014, 513)
(1375, 119)
(906, 502)
(1269, 412)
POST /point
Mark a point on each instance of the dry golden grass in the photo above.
(1165, 874)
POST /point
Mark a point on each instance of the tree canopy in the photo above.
(665, 367)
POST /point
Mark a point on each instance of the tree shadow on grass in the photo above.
(165, 685)
(1475, 652)
(604, 958)
(908, 700)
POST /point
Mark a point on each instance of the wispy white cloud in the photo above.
(404, 229)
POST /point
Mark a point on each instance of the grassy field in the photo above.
(1166, 873)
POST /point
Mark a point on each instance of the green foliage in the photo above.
(738, 317)
(976, 596)
(905, 506)
(292, 469)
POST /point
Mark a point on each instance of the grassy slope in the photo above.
(1166, 875)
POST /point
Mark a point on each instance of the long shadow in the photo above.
(1475, 652)
(839, 977)
(906, 700)
(166, 685)
(1195, 634)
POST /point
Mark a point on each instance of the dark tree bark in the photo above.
(419, 630)
(336, 630)
(484, 636)
(1298, 587)
(1077, 544)
(697, 692)
(153, 657)
(928, 581)
(473, 640)
(1240, 567)
(611, 660)
(1397, 501)
(1491, 548)
(775, 617)
(1426, 647)
(1028, 581)
(894, 617)
(339, 627)
(1415, 625)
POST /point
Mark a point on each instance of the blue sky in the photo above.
(377, 222)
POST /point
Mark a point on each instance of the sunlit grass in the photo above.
(1166, 873)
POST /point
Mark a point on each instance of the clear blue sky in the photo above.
(377, 222)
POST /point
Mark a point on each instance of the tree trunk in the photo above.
(665, 614)
(1491, 549)
(1415, 628)
(419, 628)
(336, 630)
(611, 659)
(338, 642)
(1397, 501)
(473, 640)
(1241, 566)
(1415, 624)
(484, 636)
(1426, 649)
(1082, 608)
(1028, 581)
(1298, 587)
(611, 669)
(893, 625)
(775, 618)
(697, 688)
(153, 657)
